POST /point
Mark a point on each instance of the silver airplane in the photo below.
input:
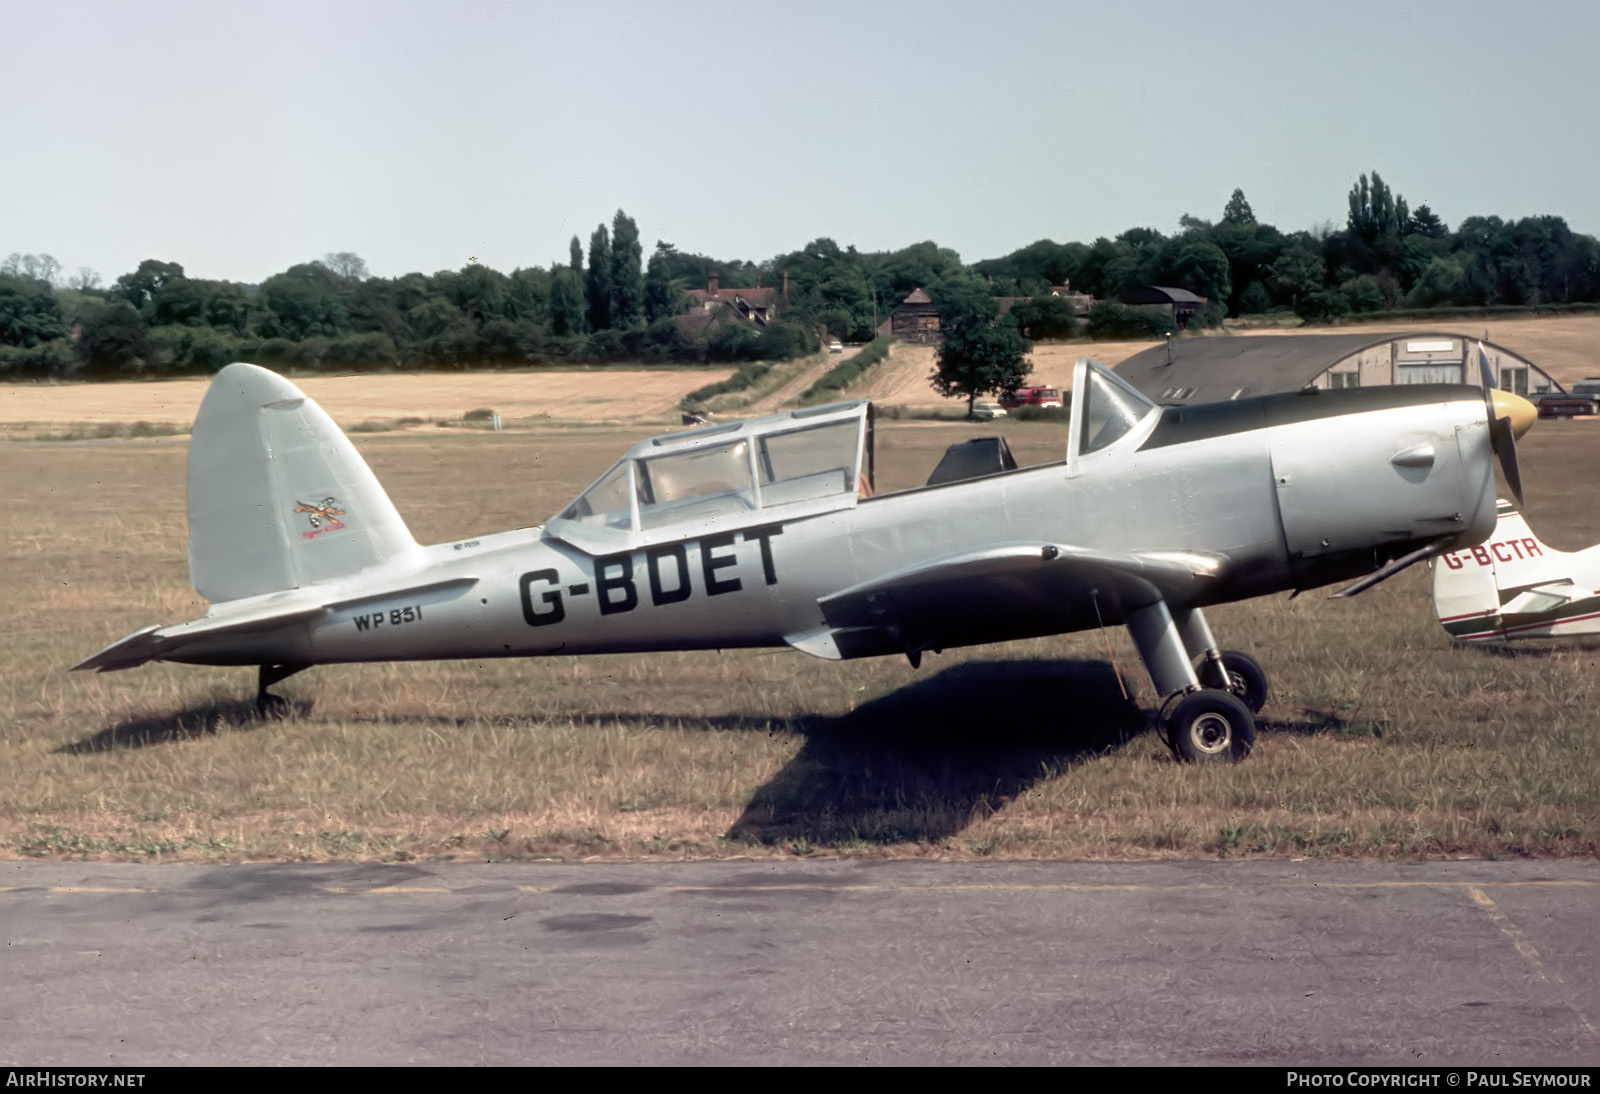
(768, 532)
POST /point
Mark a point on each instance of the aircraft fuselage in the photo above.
(1286, 491)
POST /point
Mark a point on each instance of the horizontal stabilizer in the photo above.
(155, 643)
(125, 653)
(262, 614)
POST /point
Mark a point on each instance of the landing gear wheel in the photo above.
(1246, 679)
(1209, 725)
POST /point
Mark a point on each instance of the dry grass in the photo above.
(1382, 739)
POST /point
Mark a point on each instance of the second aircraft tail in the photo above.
(1514, 586)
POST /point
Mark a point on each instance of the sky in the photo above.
(238, 139)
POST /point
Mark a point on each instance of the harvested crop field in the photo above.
(577, 395)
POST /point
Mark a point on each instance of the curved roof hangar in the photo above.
(1216, 369)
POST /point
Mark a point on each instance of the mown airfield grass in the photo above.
(1382, 738)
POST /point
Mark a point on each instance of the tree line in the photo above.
(1387, 257)
(608, 303)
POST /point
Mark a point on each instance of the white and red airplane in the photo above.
(1513, 586)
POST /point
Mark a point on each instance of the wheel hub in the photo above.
(1211, 733)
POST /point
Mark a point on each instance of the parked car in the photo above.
(835, 346)
(1031, 396)
(1561, 405)
(986, 411)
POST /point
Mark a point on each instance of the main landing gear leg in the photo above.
(1231, 670)
(1206, 723)
(269, 705)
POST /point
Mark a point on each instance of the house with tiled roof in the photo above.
(758, 306)
(1081, 301)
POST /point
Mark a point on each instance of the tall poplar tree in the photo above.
(566, 302)
(662, 293)
(627, 278)
(600, 279)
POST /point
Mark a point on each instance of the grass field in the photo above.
(1382, 738)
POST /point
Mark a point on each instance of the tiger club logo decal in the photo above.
(324, 517)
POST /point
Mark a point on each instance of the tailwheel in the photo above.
(1210, 725)
(1245, 677)
(269, 705)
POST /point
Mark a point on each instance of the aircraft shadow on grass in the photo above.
(182, 725)
(916, 764)
(923, 761)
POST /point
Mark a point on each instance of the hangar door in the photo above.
(1429, 361)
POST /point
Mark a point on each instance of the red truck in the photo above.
(1031, 396)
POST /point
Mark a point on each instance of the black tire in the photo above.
(1211, 725)
(1246, 679)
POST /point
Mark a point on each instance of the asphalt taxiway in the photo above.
(1432, 964)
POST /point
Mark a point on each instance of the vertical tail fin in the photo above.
(278, 497)
(1495, 588)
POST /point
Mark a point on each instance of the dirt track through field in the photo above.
(789, 394)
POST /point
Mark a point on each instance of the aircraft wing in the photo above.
(1000, 592)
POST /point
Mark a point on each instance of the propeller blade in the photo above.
(1502, 437)
(1510, 415)
(1485, 372)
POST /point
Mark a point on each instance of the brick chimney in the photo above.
(711, 286)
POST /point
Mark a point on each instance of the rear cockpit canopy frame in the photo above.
(797, 463)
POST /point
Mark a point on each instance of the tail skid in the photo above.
(1514, 586)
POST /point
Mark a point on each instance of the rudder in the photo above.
(278, 496)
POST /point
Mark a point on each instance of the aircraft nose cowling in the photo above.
(1519, 411)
